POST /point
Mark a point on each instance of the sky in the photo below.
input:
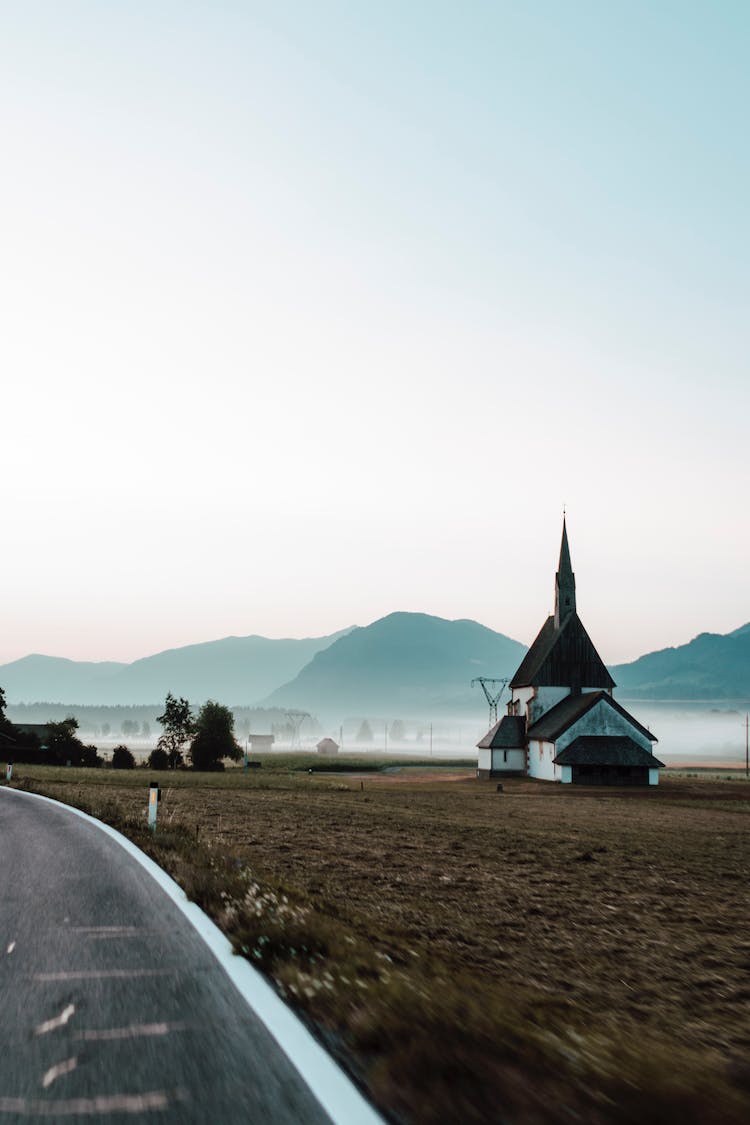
(314, 312)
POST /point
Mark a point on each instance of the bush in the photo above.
(122, 759)
(158, 759)
(89, 757)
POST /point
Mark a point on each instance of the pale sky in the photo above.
(316, 311)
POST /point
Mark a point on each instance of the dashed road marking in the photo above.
(100, 974)
(134, 1031)
(57, 1021)
(11, 947)
(110, 931)
(90, 1107)
(58, 1070)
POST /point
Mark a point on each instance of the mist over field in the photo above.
(714, 731)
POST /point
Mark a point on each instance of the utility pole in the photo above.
(747, 747)
(492, 695)
(295, 720)
(385, 728)
(430, 739)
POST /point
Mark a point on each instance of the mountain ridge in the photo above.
(710, 666)
(406, 661)
(236, 669)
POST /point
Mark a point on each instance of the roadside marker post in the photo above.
(154, 796)
(9, 771)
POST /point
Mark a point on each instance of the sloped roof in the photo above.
(509, 733)
(562, 657)
(606, 750)
(327, 744)
(562, 716)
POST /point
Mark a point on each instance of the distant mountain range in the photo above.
(711, 666)
(234, 670)
(405, 664)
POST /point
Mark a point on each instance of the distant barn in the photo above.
(261, 741)
(327, 746)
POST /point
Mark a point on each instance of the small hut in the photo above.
(261, 741)
(327, 746)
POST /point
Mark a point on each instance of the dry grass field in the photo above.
(542, 954)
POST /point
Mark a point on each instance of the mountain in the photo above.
(234, 670)
(711, 666)
(404, 664)
(38, 678)
(408, 664)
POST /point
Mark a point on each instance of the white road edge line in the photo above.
(335, 1092)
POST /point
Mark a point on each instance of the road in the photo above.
(112, 1008)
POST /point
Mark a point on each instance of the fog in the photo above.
(694, 729)
(708, 729)
(714, 729)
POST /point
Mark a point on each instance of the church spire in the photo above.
(565, 583)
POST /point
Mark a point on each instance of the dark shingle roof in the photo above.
(606, 750)
(563, 657)
(507, 734)
(562, 716)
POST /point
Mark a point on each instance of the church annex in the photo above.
(563, 723)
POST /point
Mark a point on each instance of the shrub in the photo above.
(122, 759)
(89, 757)
(158, 759)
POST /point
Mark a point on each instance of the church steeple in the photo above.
(565, 583)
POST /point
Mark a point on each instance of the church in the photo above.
(563, 723)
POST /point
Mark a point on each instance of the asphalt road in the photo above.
(111, 1006)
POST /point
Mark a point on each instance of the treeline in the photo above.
(140, 721)
(203, 739)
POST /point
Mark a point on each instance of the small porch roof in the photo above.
(508, 733)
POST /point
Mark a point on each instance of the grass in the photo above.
(543, 955)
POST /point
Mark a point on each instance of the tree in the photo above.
(179, 727)
(122, 759)
(158, 759)
(364, 734)
(64, 745)
(397, 733)
(214, 737)
(6, 726)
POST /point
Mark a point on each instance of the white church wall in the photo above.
(653, 777)
(520, 698)
(602, 719)
(484, 760)
(546, 698)
(541, 765)
(514, 760)
(566, 774)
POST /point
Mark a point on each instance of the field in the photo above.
(538, 955)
